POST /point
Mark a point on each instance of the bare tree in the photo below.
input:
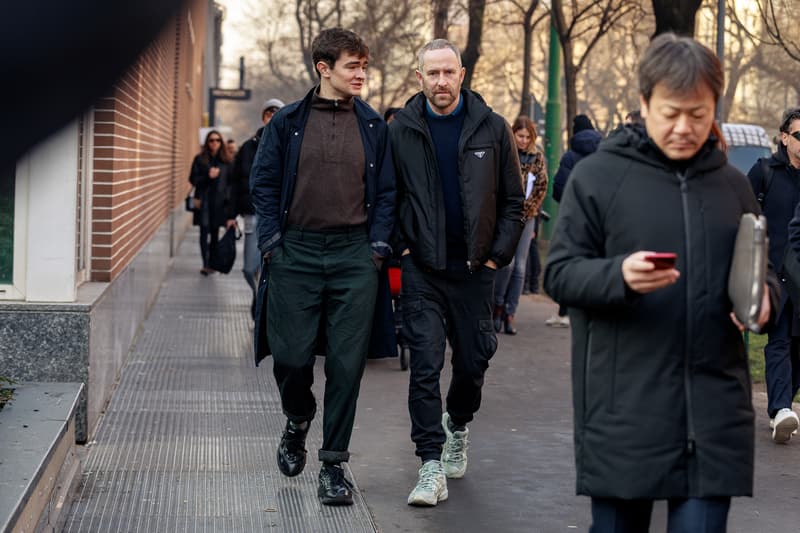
(588, 22)
(780, 24)
(527, 10)
(441, 10)
(677, 16)
(393, 29)
(313, 16)
(472, 52)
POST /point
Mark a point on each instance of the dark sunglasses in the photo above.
(215, 140)
(796, 135)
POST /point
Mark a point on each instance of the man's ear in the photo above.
(323, 68)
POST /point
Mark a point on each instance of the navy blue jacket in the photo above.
(272, 178)
(582, 144)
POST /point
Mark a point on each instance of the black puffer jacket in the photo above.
(661, 386)
(491, 186)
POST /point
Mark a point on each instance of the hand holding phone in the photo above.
(662, 260)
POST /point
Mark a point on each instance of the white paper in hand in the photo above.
(531, 181)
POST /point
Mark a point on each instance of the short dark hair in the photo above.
(789, 116)
(681, 64)
(329, 44)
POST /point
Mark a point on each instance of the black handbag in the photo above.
(224, 254)
(192, 204)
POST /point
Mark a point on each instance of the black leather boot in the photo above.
(334, 489)
(292, 449)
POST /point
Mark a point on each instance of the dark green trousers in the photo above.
(322, 282)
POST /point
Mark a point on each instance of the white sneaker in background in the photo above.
(784, 425)
(552, 321)
(431, 486)
(563, 322)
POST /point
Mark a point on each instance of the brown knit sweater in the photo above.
(329, 188)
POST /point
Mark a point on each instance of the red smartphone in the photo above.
(662, 260)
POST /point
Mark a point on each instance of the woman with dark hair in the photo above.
(510, 279)
(214, 206)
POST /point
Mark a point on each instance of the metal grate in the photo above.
(188, 440)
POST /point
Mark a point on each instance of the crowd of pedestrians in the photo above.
(330, 191)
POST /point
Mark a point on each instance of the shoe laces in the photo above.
(429, 475)
(336, 474)
(456, 446)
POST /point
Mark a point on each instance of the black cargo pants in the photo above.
(438, 307)
(317, 275)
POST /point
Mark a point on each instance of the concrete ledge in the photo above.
(38, 462)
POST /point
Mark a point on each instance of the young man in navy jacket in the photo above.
(323, 189)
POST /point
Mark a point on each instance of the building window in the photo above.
(7, 179)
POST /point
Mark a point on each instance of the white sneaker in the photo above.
(552, 321)
(784, 425)
(431, 487)
(563, 322)
(454, 452)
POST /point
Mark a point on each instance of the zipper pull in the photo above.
(690, 446)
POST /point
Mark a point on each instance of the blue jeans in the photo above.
(252, 256)
(690, 515)
(509, 280)
(782, 363)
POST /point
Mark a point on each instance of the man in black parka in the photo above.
(776, 182)
(661, 386)
(460, 207)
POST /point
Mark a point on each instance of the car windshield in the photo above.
(744, 157)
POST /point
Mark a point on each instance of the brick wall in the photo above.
(145, 134)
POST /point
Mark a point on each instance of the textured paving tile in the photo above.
(188, 440)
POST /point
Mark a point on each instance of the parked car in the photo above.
(746, 143)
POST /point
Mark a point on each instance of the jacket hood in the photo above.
(585, 142)
(633, 142)
(781, 156)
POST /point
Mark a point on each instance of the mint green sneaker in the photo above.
(454, 452)
(431, 487)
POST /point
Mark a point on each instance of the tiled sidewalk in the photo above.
(188, 441)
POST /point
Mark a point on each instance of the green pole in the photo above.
(552, 139)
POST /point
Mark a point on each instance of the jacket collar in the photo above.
(634, 143)
(413, 114)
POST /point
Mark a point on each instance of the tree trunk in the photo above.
(472, 52)
(527, 28)
(440, 20)
(676, 16)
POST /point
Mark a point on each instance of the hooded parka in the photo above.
(661, 386)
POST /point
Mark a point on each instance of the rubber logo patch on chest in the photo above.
(479, 155)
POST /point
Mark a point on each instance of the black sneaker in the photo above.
(292, 449)
(334, 489)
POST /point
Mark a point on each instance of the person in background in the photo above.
(230, 146)
(662, 397)
(776, 182)
(244, 206)
(214, 202)
(510, 279)
(585, 140)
